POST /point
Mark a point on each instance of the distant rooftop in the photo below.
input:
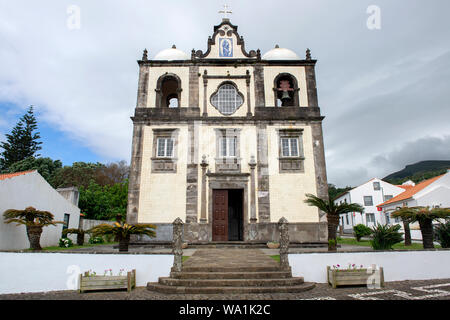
(12, 175)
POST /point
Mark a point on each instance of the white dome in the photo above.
(280, 54)
(171, 54)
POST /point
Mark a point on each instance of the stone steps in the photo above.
(229, 290)
(231, 275)
(231, 282)
(240, 269)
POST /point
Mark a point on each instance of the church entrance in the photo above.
(228, 215)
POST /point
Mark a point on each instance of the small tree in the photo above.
(22, 143)
(360, 231)
(34, 220)
(425, 216)
(123, 231)
(333, 212)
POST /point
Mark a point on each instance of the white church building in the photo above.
(230, 141)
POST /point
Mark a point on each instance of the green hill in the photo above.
(419, 171)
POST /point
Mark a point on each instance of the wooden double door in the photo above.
(227, 224)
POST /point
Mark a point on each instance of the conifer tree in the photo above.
(22, 142)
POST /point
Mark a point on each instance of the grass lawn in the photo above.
(276, 258)
(366, 243)
(184, 258)
(57, 248)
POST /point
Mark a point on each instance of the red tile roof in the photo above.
(410, 191)
(12, 175)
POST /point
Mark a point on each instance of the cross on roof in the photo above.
(225, 11)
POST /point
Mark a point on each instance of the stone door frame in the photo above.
(228, 181)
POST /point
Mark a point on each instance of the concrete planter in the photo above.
(338, 277)
(96, 283)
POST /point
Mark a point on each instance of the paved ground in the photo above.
(401, 290)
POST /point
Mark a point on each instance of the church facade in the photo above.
(228, 140)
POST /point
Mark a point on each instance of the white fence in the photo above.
(397, 266)
(41, 272)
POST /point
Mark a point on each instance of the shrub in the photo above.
(108, 238)
(65, 243)
(385, 236)
(94, 240)
(443, 234)
(360, 231)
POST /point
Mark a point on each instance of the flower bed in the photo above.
(93, 282)
(354, 275)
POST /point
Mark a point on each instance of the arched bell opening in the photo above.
(286, 91)
(168, 91)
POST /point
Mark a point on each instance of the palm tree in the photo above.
(333, 212)
(122, 232)
(34, 220)
(425, 216)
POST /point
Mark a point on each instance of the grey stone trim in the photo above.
(217, 90)
(142, 94)
(249, 105)
(258, 74)
(158, 99)
(134, 182)
(228, 164)
(252, 165)
(177, 248)
(319, 164)
(228, 181)
(194, 86)
(205, 94)
(261, 114)
(204, 166)
(230, 62)
(263, 174)
(291, 164)
(211, 41)
(296, 88)
(192, 193)
(164, 165)
(311, 86)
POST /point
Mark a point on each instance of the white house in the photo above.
(369, 195)
(434, 192)
(24, 189)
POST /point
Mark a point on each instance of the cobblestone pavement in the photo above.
(399, 290)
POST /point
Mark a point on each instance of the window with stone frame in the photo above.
(291, 155)
(228, 150)
(164, 153)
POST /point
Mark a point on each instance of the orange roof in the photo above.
(410, 191)
(406, 186)
(12, 175)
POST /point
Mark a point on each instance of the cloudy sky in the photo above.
(385, 92)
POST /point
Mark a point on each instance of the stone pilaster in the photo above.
(193, 86)
(252, 165)
(142, 95)
(319, 165)
(134, 181)
(311, 86)
(192, 176)
(260, 98)
(205, 94)
(263, 174)
(249, 104)
(203, 213)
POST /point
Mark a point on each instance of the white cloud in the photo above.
(377, 89)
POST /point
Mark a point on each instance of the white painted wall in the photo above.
(31, 189)
(41, 272)
(397, 266)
